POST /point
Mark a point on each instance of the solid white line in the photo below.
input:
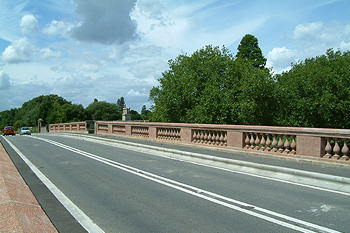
(77, 213)
(119, 144)
(200, 192)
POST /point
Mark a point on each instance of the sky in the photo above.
(106, 49)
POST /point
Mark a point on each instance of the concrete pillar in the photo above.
(235, 139)
(186, 135)
(110, 128)
(128, 130)
(152, 132)
(310, 146)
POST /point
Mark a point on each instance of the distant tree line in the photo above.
(55, 109)
(214, 86)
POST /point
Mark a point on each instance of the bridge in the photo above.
(159, 177)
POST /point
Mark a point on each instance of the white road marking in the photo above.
(246, 208)
(153, 151)
(77, 213)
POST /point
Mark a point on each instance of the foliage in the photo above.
(315, 93)
(145, 113)
(249, 50)
(101, 110)
(55, 109)
(120, 106)
(50, 108)
(210, 86)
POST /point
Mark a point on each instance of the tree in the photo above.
(120, 106)
(315, 92)
(145, 113)
(102, 110)
(135, 116)
(210, 86)
(249, 50)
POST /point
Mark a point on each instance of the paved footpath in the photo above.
(19, 209)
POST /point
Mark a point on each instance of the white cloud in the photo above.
(307, 30)
(132, 92)
(58, 28)
(4, 81)
(310, 40)
(280, 59)
(29, 24)
(46, 53)
(345, 46)
(19, 51)
(90, 67)
(187, 27)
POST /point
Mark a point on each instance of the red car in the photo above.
(9, 130)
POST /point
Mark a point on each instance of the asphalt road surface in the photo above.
(122, 190)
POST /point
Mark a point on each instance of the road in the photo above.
(125, 190)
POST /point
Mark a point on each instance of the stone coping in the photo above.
(325, 132)
(19, 209)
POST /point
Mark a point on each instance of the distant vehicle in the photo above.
(9, 130)
(25, 130)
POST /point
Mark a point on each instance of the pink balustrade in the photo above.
(322, 144)
(169, 134)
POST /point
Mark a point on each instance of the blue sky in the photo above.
(105, 49)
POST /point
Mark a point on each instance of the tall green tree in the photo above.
(249, 50)
(315, 92)
(101, 110)
(210, 86)
(120, 106)
(145, 113)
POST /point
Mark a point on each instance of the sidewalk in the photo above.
(19, 209)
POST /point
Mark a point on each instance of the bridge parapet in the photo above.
(319, 143)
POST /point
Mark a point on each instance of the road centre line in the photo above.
(153, 151)
(75, 211)
(212, 197)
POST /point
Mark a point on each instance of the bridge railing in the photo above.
(324, 144)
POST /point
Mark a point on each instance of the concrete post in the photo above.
(235, 139)
(186, 135)
(128, 130)
(110, 130)
(152, 132)
(310, 146)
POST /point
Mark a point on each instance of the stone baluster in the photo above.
(293, 146)
(209, 137)
(194, 136)
(286, 145)
(328, 148)
(217, 138)
(172, 134)
(280, 144)
(345, 151)
(257, 142)
(263, 142)
(205, 136)
(221, 138)
(225, 139)
(336, 150)
(202, 136)
(247, 140)
(252, 141)
(274, 143)
(268, 142)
